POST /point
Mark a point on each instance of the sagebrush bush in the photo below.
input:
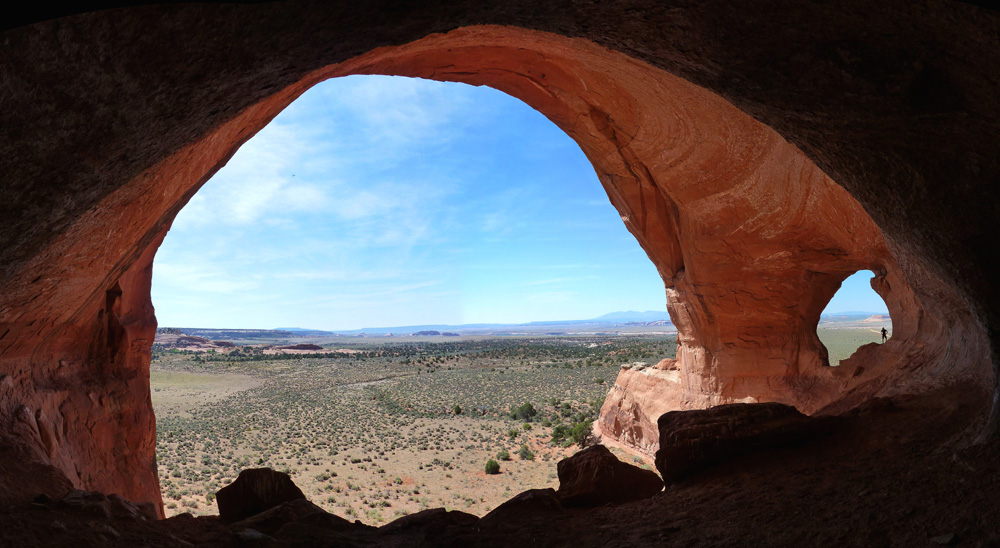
(524, 412)
(492, 467)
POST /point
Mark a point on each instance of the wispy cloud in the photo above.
(202, 278)
(388, 201)
(398, 112)
(258, 181)
(553, 297)
(562, 280)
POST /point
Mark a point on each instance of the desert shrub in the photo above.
(503, 455)
(492, 467)
(457, 409)
(524, 412)
(525, 453)
(581, 433)
(560, 432)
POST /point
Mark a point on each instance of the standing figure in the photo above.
(885, 335)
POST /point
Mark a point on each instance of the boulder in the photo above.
(270, 521)
(594, 476)
(89, 502)
(694, 440)
(301, 527)
(254, 491)
(527, 505)
(432, 521)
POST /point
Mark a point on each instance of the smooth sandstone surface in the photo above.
(112, 120)
(594, 476)
(691, 441)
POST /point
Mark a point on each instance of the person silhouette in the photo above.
(885, 335)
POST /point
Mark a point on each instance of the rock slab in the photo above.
(524, 506)
(594, 476)
(254, 491)
(691, 441)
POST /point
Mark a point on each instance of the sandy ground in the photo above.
(177, 392)
(344, 450)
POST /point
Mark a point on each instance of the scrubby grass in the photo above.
(840, 343)
(374, 434)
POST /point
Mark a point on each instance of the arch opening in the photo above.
(373, 427)
(854, 318)
(383, 201)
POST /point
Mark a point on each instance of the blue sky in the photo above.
(856, 295)
(384, 201)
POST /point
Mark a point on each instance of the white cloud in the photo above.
(202, 277)
(258, 181)
(398, 112)
(373, 212)
(553, 297)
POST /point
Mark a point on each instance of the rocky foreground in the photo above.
(896, 472)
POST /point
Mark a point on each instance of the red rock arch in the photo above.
(750, 237)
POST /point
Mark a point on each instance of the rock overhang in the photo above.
(748, 233)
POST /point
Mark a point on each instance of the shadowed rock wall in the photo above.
(112, 120)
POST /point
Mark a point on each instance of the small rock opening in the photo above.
(856, 317)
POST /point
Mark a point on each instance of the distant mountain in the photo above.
(414, 329)
(633, 316)
(878, 318)
(300, 332)
(237, 334)
(852, 313)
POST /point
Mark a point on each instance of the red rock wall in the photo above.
(750, 236)
(75, 395)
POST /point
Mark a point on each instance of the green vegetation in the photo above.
(397, 425)
(492, 467)
(840, 343)
(581, 433)
(524, 412)
(578, 433)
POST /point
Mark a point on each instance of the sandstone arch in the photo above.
(750, 235)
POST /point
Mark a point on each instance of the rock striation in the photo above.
(756, 180)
